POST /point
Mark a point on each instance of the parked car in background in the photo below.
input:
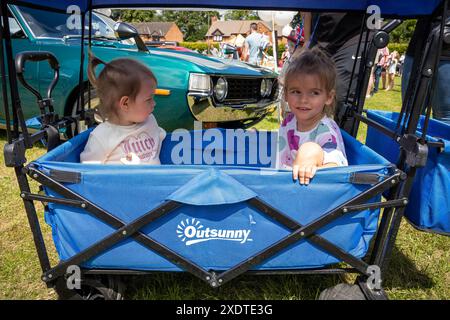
(190, 86)
(173, 45)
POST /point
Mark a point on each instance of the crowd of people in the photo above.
(387, 66)
(253, 50)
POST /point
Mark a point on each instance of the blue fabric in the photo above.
(214, 228)
(60, 5)
(34, 123)
(429, 202)
(219, 146)
(378, 72)
(407, 67)
(410, 8)
(441, 95)
(212, 187)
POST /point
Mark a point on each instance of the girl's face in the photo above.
(307, 97)
(138, 110)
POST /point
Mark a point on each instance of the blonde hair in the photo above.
(120, 77)
(313, 62)
(396, 55)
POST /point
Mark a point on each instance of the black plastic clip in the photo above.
(416, 152)
(65, 176)
(364, 178)
(14, 153)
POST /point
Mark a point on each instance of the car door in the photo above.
(22, 41)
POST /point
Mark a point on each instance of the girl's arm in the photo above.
(309, 158)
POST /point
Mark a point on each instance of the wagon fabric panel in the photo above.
(215, 226)
(429, 202)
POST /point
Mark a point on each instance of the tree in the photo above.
(128, 15)
(193, 24)
(296, 20)
(241, 15)
(403, 33)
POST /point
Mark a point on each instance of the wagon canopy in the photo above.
(391, 8)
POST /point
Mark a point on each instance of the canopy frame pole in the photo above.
(3, 77)
(18, 118)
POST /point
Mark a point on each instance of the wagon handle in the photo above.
(36, 56)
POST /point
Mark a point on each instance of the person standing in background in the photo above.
(252, 52)
(380, 69)
(338, 34)
(440, 101)
(392, 69)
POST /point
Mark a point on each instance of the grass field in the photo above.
(420, 266)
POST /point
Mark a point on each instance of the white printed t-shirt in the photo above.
(326, 134)
(114, 144)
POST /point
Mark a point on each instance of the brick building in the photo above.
(159, 31)
(233, 31)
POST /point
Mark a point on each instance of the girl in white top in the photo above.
(130, 133)
(395, 56)
(308, 137)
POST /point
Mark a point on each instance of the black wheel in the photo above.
(96, 288)
(82, 126)
(343, 291)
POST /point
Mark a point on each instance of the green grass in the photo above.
(419, 269)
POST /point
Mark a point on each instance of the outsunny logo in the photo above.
(192, 231)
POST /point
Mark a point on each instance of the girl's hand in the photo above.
(309, 158)
(304, 173)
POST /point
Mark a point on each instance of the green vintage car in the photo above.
(191, 86)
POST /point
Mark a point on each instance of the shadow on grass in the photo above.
(255, 287)
(403, 273)
(3, 134)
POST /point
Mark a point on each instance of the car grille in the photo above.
(244, 90)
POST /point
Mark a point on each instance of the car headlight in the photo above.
(199, 83)
(269, 85)
(221, 89)
(263, 87)
(266, 87)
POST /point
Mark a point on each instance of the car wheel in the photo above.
(82, 125)
(96, 288)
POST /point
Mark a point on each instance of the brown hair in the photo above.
(120, 77)
(313, 62)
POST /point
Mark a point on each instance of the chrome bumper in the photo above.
(203, 110)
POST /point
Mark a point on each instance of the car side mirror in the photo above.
(229, 49)
(19, 34)
(125, 31)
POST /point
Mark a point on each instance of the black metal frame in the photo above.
(213, 277)
(399, 183)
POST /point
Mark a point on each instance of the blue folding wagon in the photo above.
(219, 208)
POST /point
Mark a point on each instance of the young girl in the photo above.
(309, 137)
(392, 70)
(130, 133)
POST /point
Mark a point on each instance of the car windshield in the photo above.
(65, 25)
